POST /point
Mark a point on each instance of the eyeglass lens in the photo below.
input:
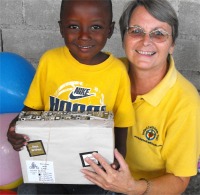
(156, 35)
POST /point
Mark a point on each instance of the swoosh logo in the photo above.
(75, 97)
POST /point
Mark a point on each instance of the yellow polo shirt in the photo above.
(166, 137)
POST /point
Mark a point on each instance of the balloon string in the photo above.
(47, 152)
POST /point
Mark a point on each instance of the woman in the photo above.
(163, 147)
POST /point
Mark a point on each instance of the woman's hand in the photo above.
(108, 178)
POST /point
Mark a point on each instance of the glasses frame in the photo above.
(150, 33)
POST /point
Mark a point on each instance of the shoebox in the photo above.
(59, 143)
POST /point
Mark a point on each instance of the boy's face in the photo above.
(85, 27)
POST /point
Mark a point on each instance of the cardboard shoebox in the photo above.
(59, 143)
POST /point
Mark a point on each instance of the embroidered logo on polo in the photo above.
(149, 135)
(77, 96)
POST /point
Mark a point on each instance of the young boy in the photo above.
(80, 77)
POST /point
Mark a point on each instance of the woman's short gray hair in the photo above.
(159, 9)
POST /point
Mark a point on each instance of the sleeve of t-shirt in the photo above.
(34, 98)
(124, 113)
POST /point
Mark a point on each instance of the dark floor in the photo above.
(193, 188)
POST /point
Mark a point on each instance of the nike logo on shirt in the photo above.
(79, 93)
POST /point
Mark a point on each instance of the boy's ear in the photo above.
(112, 27)
(60, 25)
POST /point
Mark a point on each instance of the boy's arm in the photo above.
(120, 143)
(17, 140)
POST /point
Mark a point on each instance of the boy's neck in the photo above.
(98, 59)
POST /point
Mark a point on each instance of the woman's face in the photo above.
(144, 53)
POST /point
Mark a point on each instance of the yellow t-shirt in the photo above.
(166, 137)
(61, 83)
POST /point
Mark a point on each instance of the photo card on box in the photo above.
(88, 155)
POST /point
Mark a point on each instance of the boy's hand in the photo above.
(115, 165)
(17, 140)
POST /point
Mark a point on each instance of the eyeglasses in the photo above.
(156, 36)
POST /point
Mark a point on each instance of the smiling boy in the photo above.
(80, 77)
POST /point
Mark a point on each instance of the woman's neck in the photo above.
(143, 81)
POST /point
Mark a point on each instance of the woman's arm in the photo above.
(169, 184)
(121, 180)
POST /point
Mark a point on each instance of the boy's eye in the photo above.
(73, 27)
(77, 28)
(96, 27)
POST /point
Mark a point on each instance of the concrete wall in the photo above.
(30, 27)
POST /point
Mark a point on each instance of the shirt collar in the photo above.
(155, 96)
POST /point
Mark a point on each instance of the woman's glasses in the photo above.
(156, 36)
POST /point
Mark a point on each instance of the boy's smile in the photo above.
(85, 27)
(84, 48)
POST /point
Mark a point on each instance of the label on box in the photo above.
(40, 171)
(35, 148)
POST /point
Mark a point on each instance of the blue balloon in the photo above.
(16, 74)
